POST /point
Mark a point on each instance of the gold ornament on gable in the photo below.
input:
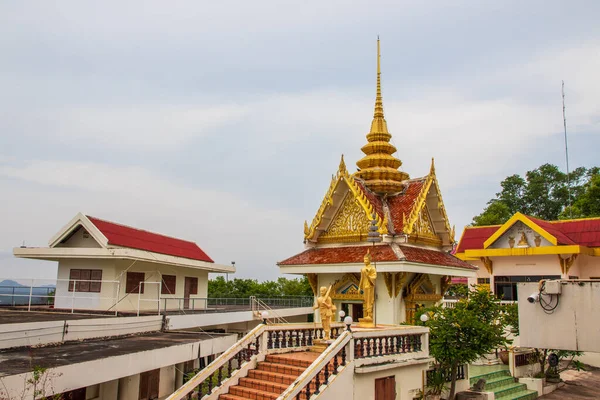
(351, 223)
(346, 288)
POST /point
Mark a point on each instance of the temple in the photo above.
(414, 241)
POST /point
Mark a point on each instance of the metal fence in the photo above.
(460, 374)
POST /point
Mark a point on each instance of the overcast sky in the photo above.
(222, 122)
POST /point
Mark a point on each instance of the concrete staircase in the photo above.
(504, 386)
(271, 376)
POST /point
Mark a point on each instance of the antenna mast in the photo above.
(566, 150)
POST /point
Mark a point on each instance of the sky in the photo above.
(222, 122)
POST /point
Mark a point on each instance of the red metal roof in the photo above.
(125, 236)
(474, 237)
(584, 232)
(355, 254)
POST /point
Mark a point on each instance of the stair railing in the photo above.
(328, 364)
(256, 307)
(222, 367)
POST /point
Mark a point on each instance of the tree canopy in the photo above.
(475, 326)
(242, 288)
(544, 193)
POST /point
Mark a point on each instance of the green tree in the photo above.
(243, 288)
(473, 327)
(587, 203)
(543, 193)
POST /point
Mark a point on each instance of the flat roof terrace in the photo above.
(22, 316)
(20, 360)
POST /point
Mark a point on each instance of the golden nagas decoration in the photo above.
(488, 264)
(379, 169)
(393, 283)
(346, 288)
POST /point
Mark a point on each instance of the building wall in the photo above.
(409, 380)
(85, 300)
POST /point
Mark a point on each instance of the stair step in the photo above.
(229, 396)
(280, 368)
(521, 395)
(265, 386)
(287, 360)
(498, 382)
(253, 394)
(489, 376)
(271, 376)
(509, 389)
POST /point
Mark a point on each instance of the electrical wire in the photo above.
(548, 306)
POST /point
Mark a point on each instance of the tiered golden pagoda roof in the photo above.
(379, 168)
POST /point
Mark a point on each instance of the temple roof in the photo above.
(381, 253)
(583, 232)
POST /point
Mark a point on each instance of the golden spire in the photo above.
(379, 168)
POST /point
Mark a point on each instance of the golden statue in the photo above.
(326, 310)
(368, 275)
(523, 241)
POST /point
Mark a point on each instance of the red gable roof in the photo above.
(474, 236)
(125, 236)
(355, 254)
(584, 232)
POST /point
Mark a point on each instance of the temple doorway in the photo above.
(355, 310)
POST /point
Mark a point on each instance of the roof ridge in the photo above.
(141, 230)
(483, 226)
(562, 221)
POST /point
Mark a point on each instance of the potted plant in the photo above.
(436, 383)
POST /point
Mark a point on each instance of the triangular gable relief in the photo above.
(424, 226)
(346, 288)
(79, 237)
(519, 236)
(421, 288)
(350, 223)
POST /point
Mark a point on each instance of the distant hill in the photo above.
(9, 282)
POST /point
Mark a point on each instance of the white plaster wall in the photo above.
(109, 390)
(85, 300)
(80, 240)
(341, 386)
(167, 381)
(573, 325)
(409, 379)
(129, 387)
(153, 273)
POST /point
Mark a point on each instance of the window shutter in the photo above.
(74, 274)
(169, 284)
(154, 383)
(85, 276)
(96, 275)
(133, 281)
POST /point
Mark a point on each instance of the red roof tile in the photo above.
(474, 237)
(584, 232)
(338, 255)
(125, 236)
(428, 256)
(402, 204)
(355, 254)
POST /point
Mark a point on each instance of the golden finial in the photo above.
(432, 168)
(379, 169)
(306, 230)
(342, 168)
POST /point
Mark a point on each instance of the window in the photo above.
(81, 280)
(483, 281)
(169, 284)
(149, 382)
(133, 282)
(505, 287)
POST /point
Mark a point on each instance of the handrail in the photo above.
(321, 363)
(217, 364)
(259, 303)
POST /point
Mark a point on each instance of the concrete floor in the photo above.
(579, 385)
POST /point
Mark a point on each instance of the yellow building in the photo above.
(412, 260)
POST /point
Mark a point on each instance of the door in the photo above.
(385, 388)
(149, 382)
(357, 311)
(190, 287)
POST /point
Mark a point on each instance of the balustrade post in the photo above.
(269, 339)
(229, 367)
(210, 383)
(310, 338)
(220, 375)
(379, 346)
(317, 382)
(326, 374)
(287, 335)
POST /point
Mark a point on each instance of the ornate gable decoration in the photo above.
(520, 232)
(393, 283)
(421, 289)
(346, 288)
(313, 232)
(351, 223)
(419, 222)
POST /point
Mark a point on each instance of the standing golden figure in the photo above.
(326, 310)
(368, 275)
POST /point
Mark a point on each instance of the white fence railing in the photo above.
(450, 303)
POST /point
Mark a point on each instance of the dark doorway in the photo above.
(385, 388)
(149, 382)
